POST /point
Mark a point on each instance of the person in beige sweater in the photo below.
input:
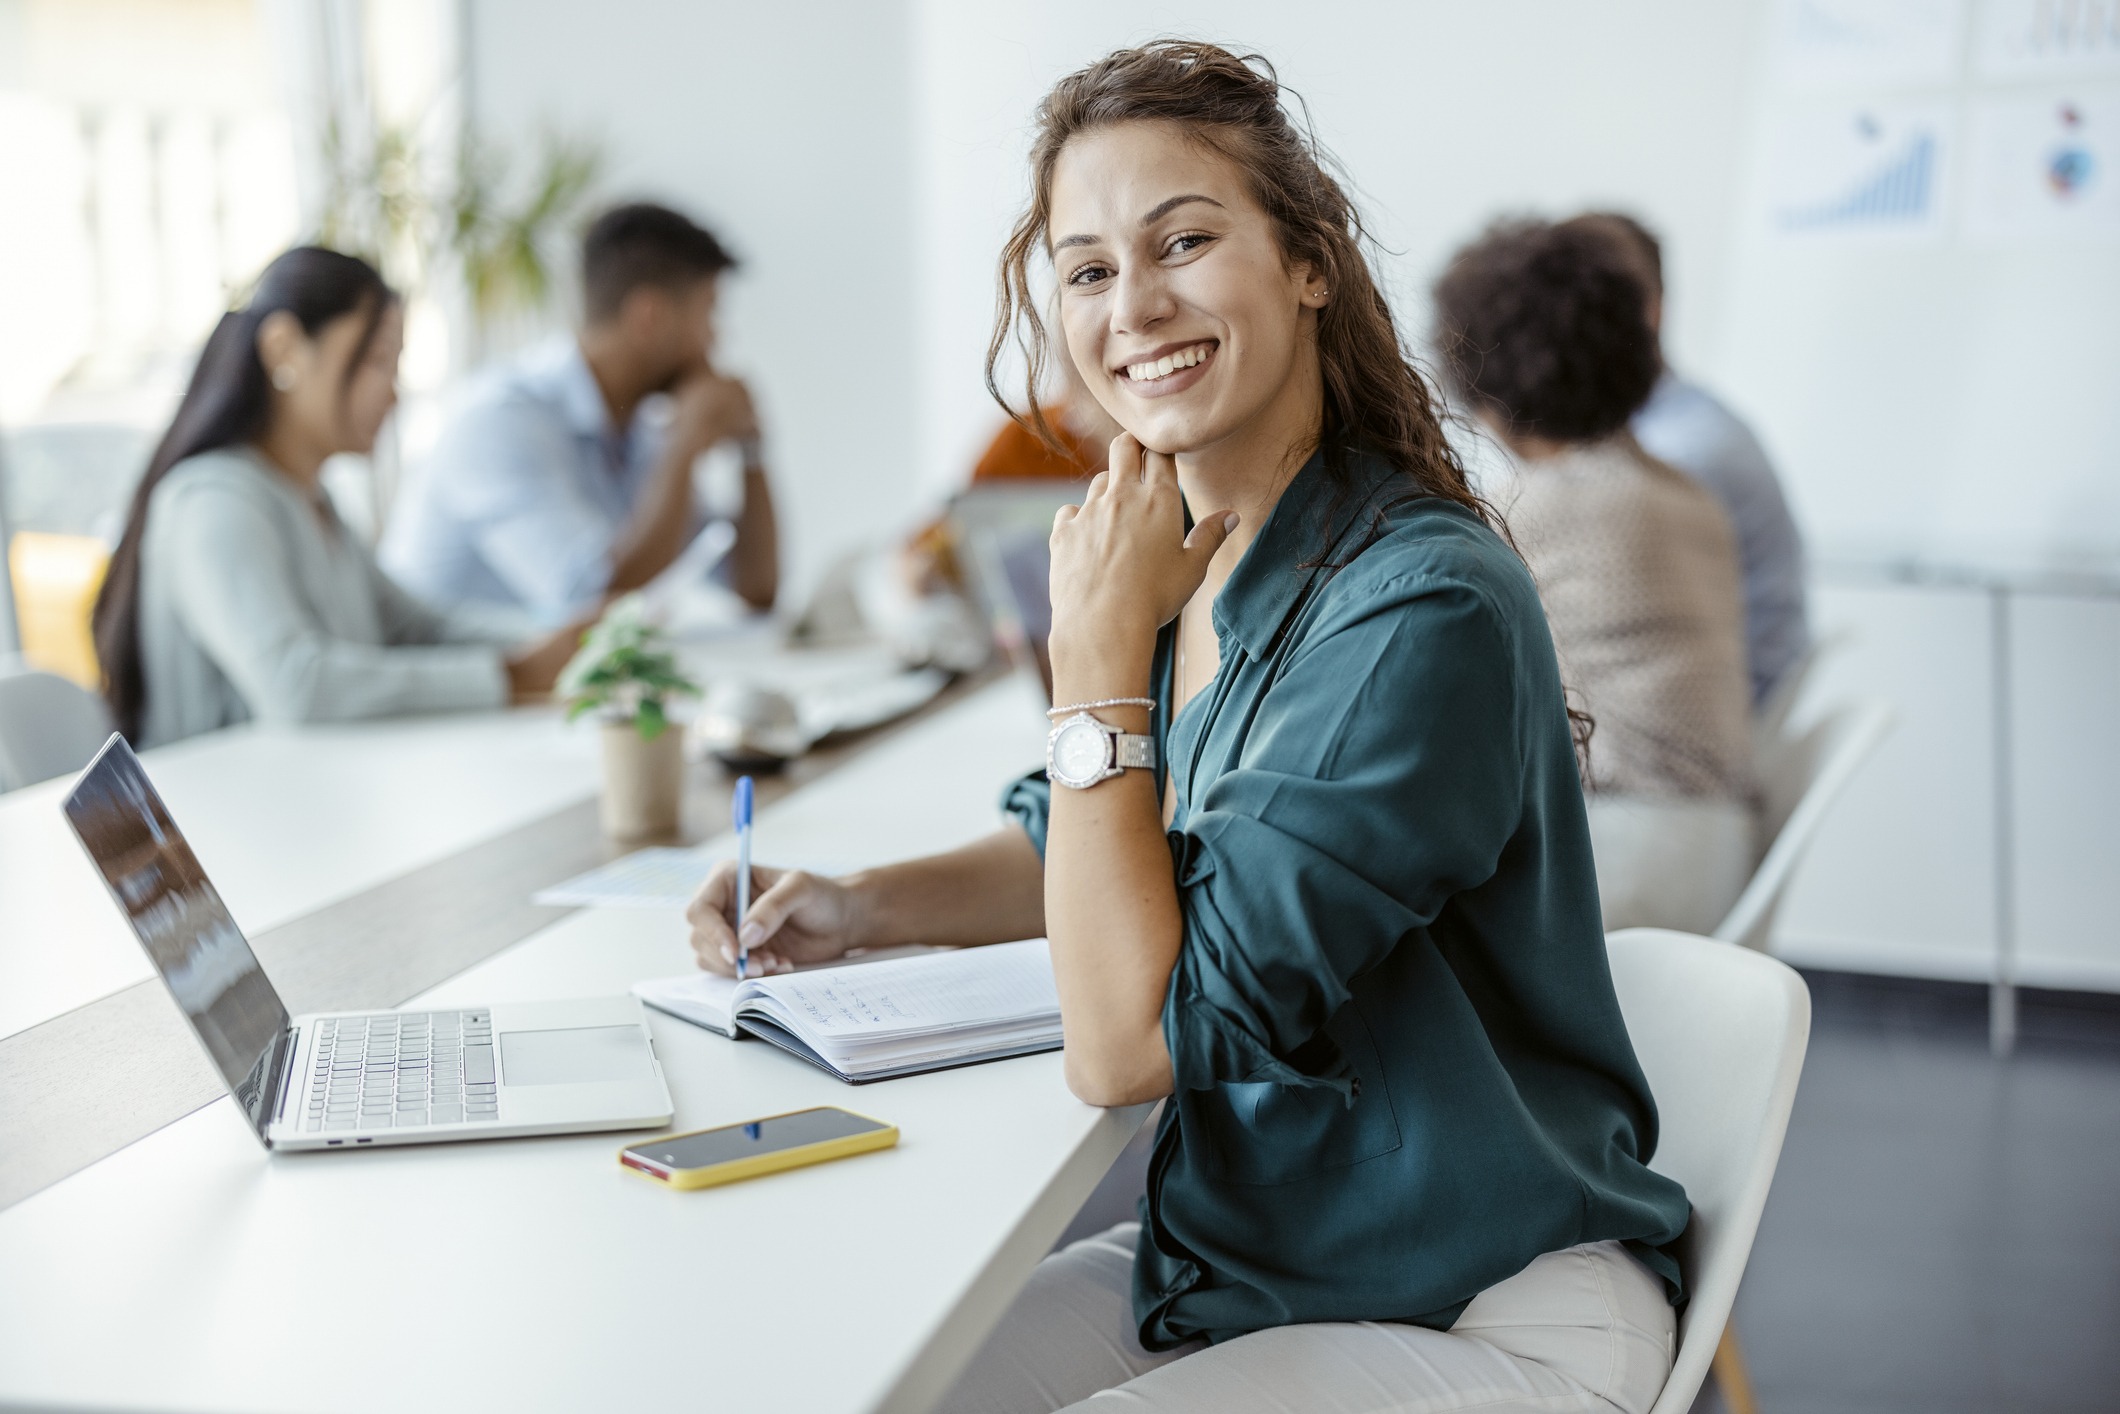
(1544, 335)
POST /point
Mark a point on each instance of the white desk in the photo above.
(286, 822)
(192, 1271)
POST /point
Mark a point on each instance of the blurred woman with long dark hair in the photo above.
(236, 593)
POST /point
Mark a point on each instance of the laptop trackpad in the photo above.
(581, 1056)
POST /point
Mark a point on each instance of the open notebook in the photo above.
(894, 1016)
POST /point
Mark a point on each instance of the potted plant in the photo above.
(626, 674)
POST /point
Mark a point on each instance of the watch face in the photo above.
(1080, 751)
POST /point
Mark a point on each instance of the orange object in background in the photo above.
(1019, 454)
(56, 579)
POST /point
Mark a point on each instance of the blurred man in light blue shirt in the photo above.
(1683, 425)
(558, 481)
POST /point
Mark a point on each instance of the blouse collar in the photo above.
(1306, 525)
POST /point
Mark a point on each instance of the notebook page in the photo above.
(707, 998)
(967, 990)
(702, 998)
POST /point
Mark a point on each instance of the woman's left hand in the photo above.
(1122, 564)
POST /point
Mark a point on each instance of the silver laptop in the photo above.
(334, 1080)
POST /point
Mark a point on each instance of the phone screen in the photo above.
(745, 1141)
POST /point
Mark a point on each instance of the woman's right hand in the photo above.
(795, 918)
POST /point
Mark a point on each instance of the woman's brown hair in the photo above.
(1376, 400)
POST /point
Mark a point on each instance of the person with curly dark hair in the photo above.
(1686, 426)
(1544, 332)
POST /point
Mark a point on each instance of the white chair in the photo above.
(1800, 775)
(48, 727)
(1771, 718)
(1721, 1033)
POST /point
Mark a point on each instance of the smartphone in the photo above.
(707, 1157)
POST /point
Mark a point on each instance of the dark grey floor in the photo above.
(1944, 1231)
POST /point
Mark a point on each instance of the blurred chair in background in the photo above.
(1721, 1034)
(48, 727)
(1800, 775)
(66, 485)
(55, 579)
(1545, 334)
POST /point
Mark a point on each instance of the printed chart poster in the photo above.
(1859, 171)
(2049, 39)
(2044, 170)
(1867, 43)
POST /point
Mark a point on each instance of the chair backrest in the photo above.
(1771, 717)
(48, 727)
(1800, 776)
(1721, 1033)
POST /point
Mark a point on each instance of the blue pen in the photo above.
(741, 807)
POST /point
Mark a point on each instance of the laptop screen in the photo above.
(183, 924)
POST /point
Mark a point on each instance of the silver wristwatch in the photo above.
(1082, 751)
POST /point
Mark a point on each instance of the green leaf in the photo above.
(650, 719)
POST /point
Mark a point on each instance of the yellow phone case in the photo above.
(736, 1170)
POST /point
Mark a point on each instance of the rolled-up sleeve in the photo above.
(240, 597)
(1374, 786)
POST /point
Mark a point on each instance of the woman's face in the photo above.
(1180, 313)
(341, 393)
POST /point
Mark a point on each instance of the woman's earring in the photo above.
(283, 377)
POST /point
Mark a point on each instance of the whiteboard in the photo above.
(1925, 313)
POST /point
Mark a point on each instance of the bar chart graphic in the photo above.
(1902, 189)
(1859, 171)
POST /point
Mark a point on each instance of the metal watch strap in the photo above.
(1136, 751)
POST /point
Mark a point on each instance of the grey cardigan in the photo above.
(256, 602)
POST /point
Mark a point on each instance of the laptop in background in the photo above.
(328, 1080)
(1005, 528)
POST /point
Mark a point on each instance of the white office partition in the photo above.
(1901, 879)
(2065, 767)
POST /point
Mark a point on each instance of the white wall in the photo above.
(785, 128)
(1445, 113)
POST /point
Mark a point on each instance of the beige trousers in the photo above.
(1585, 1330)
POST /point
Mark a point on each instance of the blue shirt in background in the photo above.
(526, 492)
(1684, 426)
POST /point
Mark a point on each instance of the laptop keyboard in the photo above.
(402, 1069)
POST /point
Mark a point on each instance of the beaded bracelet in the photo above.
(1148, 702)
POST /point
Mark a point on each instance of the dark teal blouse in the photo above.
(1401, 1072)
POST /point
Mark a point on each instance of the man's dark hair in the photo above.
(1544, 327)
(641, 243)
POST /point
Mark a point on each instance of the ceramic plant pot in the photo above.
(644, 782)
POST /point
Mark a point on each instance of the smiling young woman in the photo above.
(1310, 848)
